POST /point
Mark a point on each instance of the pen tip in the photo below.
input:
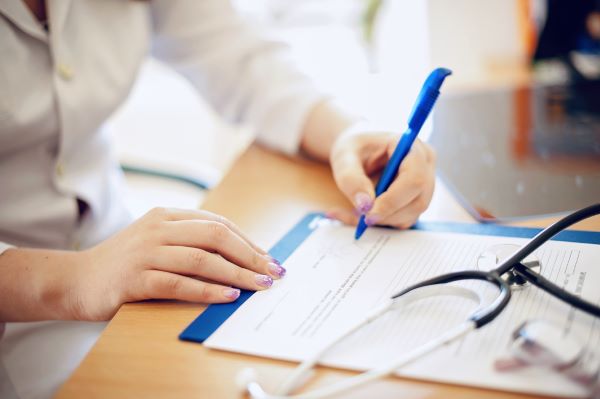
(360, 228)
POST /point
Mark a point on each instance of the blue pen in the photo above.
(425, 101)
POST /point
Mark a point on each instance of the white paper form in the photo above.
(333, 279)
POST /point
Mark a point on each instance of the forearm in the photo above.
(324, 124)
(35, 284)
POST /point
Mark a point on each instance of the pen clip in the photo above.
(427, 97)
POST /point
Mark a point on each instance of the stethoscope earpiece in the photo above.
(247, 383)
(244, 378)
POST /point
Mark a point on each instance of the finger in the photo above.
(429, 152)
(414, 176)
(175, 214)
(343, 215)
(217, 237)
(164, 285)
(408, 216)
(352, 180)
(197, 262)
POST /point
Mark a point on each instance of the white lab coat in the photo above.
(56, 90)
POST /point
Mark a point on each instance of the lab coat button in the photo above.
(65, 71)
(60, 170)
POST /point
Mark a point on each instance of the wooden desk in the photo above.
(139, 355)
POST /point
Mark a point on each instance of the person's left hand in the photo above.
(357, 159)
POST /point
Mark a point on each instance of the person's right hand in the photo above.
(194, 256)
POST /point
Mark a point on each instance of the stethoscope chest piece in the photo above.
(496, 254)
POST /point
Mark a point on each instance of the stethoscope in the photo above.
(514, 271)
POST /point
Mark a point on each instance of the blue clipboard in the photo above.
(215, 315)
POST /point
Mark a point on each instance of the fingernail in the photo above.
(363, 202)
(231, 293)
(273, 260)
(263, 280)
(371, 220)
(277, 270)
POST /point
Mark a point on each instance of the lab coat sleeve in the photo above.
(4, 247)
(246, 78)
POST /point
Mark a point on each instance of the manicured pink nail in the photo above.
(263, 280)
(273, 260)
(231, 293)
(371, 220)
(277, 270)
(363, 202)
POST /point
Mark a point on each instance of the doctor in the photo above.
(68, 248)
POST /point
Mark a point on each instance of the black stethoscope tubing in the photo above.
(513, 263)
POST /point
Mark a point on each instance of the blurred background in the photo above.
(523, 99)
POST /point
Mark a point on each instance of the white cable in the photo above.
(450, 336)
(256, 391)
(301, 373)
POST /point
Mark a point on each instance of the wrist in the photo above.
(56, 284)
(324, 124)
(37, 284)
